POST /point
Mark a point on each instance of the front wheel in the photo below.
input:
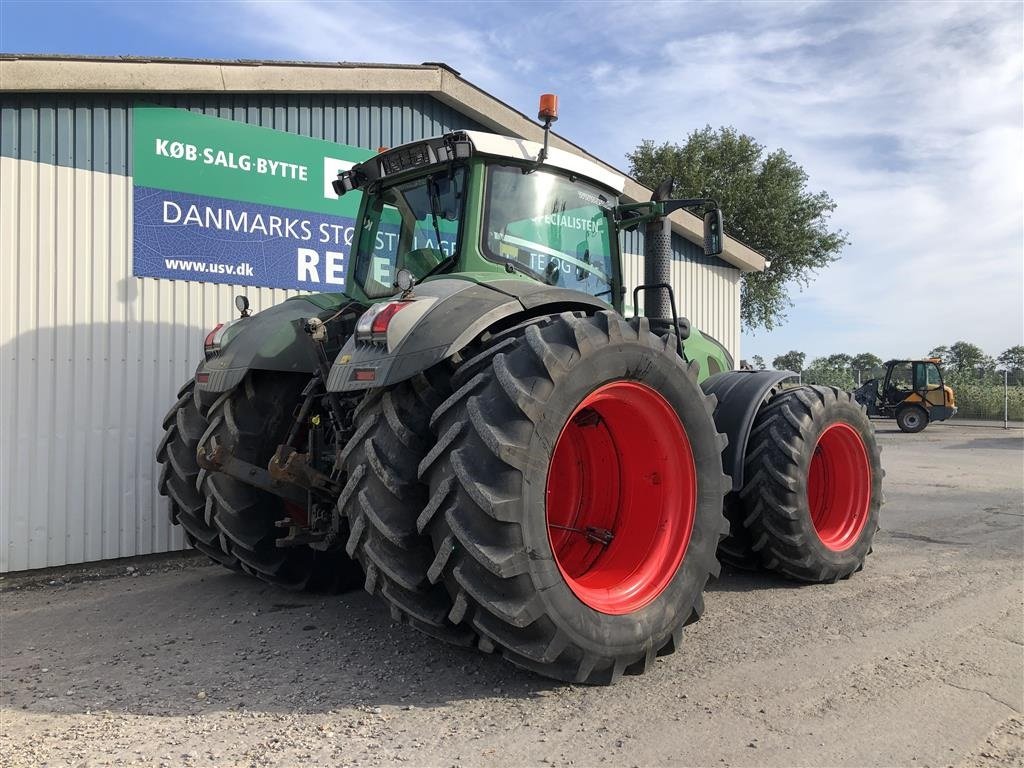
(911, 418)
(814, 484)
(576, 498)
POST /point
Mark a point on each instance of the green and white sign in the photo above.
(221, 201)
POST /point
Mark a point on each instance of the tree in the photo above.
(839, 362)
(758, 362)
(791, 361)
(1011, 360)
(965, 357)
(940, 352)
(832, 371)
(765, 202)
(865, 361)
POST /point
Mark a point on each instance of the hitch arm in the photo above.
(217, 459)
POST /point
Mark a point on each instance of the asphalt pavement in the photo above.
(916, 660)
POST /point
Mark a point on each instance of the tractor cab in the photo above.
(485, 226)
(481, 207)
(911, 391)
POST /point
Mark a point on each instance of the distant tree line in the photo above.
(961, 362)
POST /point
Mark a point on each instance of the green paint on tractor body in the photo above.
(498, 220)
(482, 219)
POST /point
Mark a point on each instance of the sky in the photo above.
(909, 115)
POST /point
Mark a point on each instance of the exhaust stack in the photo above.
(658, 259)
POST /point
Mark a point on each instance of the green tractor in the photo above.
(475, 432)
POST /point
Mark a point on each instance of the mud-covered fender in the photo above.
(444, 317)
(271, 340)
(740, 396)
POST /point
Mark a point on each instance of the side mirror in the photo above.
(713, 235)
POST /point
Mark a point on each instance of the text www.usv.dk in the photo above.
(242, 270)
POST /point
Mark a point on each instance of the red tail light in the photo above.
(373, 325)
(210, 341)
(215, 339)
(382, 318)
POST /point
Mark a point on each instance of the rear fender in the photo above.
(272, 340)
(711, 355)
(445, 317)
(740, 396)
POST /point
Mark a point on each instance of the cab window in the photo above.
(902, 378)
(412, 226)
(556, 229)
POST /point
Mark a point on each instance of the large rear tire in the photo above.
(736, 549)
(813, 485)
(184, 426)
(250, 422)
(383, 497)
(576, 498)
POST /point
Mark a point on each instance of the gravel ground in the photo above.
(917, 660)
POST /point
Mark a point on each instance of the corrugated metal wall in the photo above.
(90, 356)
(707, 289)
(93, 132)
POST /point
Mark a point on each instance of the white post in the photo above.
(858, 377)
(1006, 399)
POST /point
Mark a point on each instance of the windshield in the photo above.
(412, 226)
(551, 226)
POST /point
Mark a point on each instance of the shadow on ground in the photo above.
(191, 639)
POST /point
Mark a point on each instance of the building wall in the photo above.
(707, 290)
(91, 357)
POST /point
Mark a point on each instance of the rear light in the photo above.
(215, 338)
(209, 342)
(373, 325)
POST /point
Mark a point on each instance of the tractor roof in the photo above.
(521, 149)
(936, 360)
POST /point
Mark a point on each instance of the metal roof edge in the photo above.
(35, 73)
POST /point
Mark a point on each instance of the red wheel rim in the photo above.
(621, 497)
(839, 486)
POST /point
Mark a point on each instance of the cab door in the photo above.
(928, 382)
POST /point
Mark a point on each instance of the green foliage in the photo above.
(766, 205)
(758, 362)
(978, 386)
(1011, 360)
(791, 361)
(865, 361)
(964, 357)
(984, 399)
(831, 371)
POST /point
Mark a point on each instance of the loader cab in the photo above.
(481, 207)
(913, 392)
(904, 378)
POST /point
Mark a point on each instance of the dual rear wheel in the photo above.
(574, 499)
(233, 523)
(812, 488)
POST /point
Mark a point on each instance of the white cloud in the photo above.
(910, 115)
